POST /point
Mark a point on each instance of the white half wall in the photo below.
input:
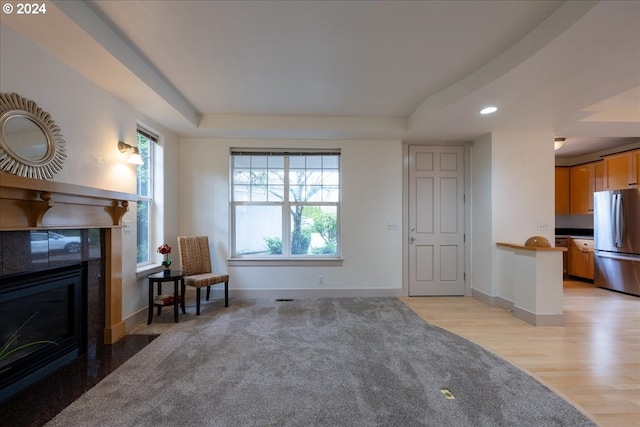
(371, 198)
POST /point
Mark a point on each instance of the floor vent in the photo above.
(284, 299)
(447, 393)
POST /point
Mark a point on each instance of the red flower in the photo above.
(164, 249)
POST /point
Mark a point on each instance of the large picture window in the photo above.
(285, 205)
(144, 215)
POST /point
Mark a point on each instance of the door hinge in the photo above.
(464, 237)
(464, 198)
(464, 277)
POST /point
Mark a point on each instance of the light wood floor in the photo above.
(593, 361)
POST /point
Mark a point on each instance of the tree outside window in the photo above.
(285, 205)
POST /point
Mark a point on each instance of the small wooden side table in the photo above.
(175, 276)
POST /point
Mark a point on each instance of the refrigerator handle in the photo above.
(614, 220)
(620, 221)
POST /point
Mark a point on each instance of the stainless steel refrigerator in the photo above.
(617, 240)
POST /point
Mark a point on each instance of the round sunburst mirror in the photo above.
(31, 143)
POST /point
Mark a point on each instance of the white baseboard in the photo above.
(504, 303)
(479, 295)
(140, 316)
(538, 319)
(218, 293)
(519, 312)
(492, 299)
(135, 319)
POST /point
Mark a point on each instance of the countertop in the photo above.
(531, 248)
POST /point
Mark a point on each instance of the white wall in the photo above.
(523, 186)
(512, 184)
(371, 198)
(513, 192)
(92, 121)
(481, 211)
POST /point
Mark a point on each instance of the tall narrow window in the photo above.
(285, 205)
(146, 145)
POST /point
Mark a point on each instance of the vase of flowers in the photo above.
(166, 263)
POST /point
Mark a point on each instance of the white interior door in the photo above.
(436, 220)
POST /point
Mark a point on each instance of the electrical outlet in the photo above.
(392, 225)
(320, 280)
(543, 226)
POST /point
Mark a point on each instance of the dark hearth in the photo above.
(45, 399)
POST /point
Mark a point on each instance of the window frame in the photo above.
(285, 258)
(149, 161)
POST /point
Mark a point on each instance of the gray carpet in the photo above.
(319, 362)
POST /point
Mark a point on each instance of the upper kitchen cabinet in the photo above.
(584, 180)
(562, 191)
(622, 170)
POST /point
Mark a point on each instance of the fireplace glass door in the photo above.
(42, 318)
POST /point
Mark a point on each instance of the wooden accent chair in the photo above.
(196, 264)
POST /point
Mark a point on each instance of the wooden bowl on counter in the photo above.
(538, 242)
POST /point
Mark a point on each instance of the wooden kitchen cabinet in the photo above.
(584, 180)
(562, 191)
(598, 176)
(635, 168)
(581, 258)
(622, 170)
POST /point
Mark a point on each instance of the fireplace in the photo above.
(46, 307)
(81, 268)
(52, 294)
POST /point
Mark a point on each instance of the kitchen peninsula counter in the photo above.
(529, 282)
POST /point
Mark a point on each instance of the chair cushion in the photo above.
(206, 279)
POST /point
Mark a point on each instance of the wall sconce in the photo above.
(135, 154)
(558, 143)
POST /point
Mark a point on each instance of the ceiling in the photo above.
(411, 70)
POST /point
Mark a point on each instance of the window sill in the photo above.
(144, 270)
(288, 262)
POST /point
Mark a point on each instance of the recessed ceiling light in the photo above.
(488, 110)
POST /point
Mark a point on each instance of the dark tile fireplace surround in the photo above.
(60, 277)
(49, 294)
